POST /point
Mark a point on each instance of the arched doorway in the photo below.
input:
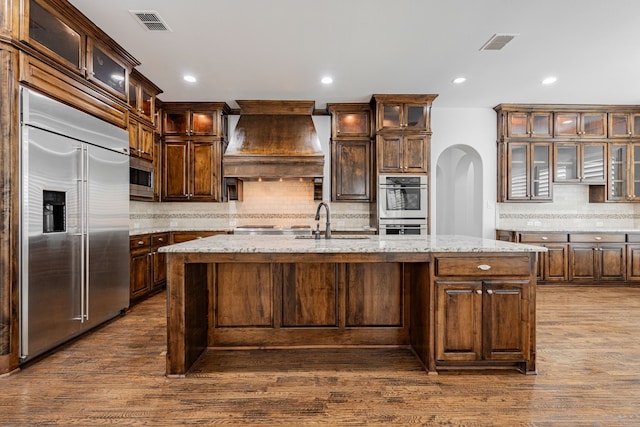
(459, 191)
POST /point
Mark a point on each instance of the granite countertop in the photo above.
(226, 243)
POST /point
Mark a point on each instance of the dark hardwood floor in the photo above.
(588, 362)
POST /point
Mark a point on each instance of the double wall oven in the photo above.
(403, 204)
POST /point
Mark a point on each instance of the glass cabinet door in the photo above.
(541, 171)
(635, 164)
(594, 125)
(566, 163)
(618, 171)
(50, 32)
(352, 124)
(391, 116)
(541, 124)
(415, 117)
(593, 169)
(203, 123)
(517, 158)
(619, 125)
(517, 124)
(106, 71)
(567, 124)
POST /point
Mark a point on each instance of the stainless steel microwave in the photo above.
(140, 179)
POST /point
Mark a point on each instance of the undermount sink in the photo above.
(334, 237)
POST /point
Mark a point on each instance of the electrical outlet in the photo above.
(173, 224)
(529, 222)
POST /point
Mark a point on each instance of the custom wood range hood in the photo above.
(274, 139)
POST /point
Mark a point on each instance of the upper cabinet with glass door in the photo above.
(581, 124)
(142, 97)
(75, 43)
(533, 124)
(403, 112)
(624, 125)
(58, 38)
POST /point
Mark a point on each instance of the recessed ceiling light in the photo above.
(459, 80)
(190, 78)
(327, 80)
(549, 80)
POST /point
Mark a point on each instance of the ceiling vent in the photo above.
(150, 20)
(498, 41)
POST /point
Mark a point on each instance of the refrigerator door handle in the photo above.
(85, 210)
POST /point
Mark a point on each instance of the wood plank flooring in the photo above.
(588, 362)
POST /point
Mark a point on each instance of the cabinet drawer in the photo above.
(483, 266)
(597, 238)
(544, 237)
(160, 239)
(139, 242)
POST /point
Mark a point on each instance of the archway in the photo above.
(459, 194)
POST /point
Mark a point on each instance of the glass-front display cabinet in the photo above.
(529, 171)
(580, 162)
(624, 172)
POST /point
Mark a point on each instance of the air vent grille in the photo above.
(498, 41)
(150, 20)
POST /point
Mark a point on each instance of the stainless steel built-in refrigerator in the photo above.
(74, 258)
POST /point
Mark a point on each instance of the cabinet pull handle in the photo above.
(479, 291)
(160, 239)
(598, 238)
(140, 242)
(545, 238)
(489, 291)
(484, 267)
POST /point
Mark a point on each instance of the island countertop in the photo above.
(225, 244)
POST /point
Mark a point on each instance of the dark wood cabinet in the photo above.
(529, 124)
(597, 262)
(194, 141)
(403, 112)
(553, 265)
(483, 320)
(351, 152)
(588, 124)
(196, 119)
(528, 171)
(142, 98)
(402, 153)
(148, 269)
(141, 140)
(191, 170)
(624, 172)
(351, 170)
(580, 162)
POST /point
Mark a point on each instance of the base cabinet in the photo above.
(484, 312)
(148, 271)
(481, 321)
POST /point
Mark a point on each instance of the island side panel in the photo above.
(187, 313)
(418, 277)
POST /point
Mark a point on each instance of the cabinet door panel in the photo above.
(618, 177)
(506, 317)
(582, 261)
(556, 263)
(415, 154)
(389, 153)
(309, 295)
(203, 171)
(458, 321)
(518, 159)
(243, 295)
(633, 262)
(139, 275)
(612, 262)
(593, 163)
(351, 170)
(541, 171)
(146, 143)
(375, 295)
(566, 160)
(175, 162)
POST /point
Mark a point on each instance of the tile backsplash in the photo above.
(274, 203)
(569, 211)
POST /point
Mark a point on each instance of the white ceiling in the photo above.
(280, 49)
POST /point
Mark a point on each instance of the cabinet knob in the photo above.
(140, 242)
(160, 239)
(598, 238)
(479, 291)
(490, 292)
(544, 238)
(484, 267)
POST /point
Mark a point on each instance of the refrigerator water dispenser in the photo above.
(53, 211)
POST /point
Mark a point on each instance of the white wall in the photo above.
(475, 127)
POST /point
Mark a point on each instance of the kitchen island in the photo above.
(459, 302)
